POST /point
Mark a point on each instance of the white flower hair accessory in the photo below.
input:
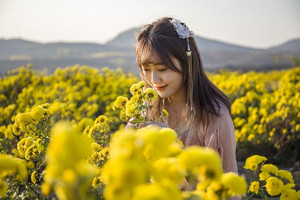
(181, 29)
(183, 32)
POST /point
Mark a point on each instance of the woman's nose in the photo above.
(155, 78)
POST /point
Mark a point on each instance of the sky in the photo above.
(251, 23)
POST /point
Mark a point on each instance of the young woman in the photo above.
(170, 62)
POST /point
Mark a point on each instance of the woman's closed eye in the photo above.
(162, 70)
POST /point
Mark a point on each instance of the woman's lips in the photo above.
(160, 88)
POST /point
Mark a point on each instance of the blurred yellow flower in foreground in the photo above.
(67, 170)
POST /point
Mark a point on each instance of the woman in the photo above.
(170, 62)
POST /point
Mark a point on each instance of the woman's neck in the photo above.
(178, 101)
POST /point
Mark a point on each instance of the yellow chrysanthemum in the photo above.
(298, 194)
(24, 118)
(37, 113)
(286, 175)
(121, 102)
(97, 182)
(33, 177)
(3, 189)
(205, 163)
(126, 143)
(236, 184)
(168, 168)
(135, 90)
(214, 191)
(69, 176)
(125, 173)
(263, 176)
(46, 189)
(141, 84)
(158, 141)
(131, 109)
(254, 187)
(11, 165)
(269, 168)
(288, 186)
(162, 191)
(253, 162)
(288, 194)
(274, 186)
(150, 94)
(66, 155)
(102, 120)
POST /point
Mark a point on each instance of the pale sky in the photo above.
(252, 23)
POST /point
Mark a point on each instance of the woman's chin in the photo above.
(162, 95)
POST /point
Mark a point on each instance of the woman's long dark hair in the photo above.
(160, 42)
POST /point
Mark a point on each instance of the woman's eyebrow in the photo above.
(152, 63)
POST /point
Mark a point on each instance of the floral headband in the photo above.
(183, 32)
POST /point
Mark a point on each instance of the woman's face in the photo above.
(166, 82)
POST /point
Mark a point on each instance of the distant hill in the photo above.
(120, 52)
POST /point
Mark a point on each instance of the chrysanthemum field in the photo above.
(62, 136)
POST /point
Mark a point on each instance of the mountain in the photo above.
(290, 46)
(120, 52)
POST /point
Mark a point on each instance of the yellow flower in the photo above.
(126, 144)
(46, 189)
(24, 118)
(205, 163)
(97, 182)
(141, 84)
(16, 128)
(236, 184)
(102, 120)
(288, 186)
(286, 175)
(131, 109)
(11, 165)
(288, 194)
(253, 162)
(150, 94)
(263, 176)
(135, 90)
(85, 122)
(30, 152)
(3, 189)
(214, 191)
(274, 186)
(161, 191)
(32, 177)
(254, 187)
(298, 194)
(269, 168)
(30, 164)
(96, 147)
(66, 156)
(165, 112)
(168, 168)
(158, 141)
(37, 113)
(121, 102)
(125, 174)
(69, 176)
